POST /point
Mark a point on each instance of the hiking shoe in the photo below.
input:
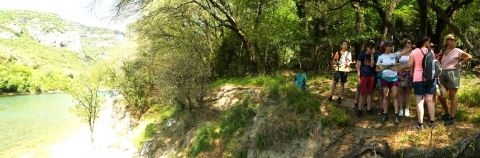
(396, 118)
(401, 112)
(339, 101)
(330, 99)
(445, 117)
(384, 117)
(407, 112)
(419, 126)
(449, 121)
(359, 113)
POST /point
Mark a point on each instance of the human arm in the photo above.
(465, 57)
(409, 65)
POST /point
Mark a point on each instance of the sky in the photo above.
(73, 10)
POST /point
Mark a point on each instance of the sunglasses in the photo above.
(451, 39)
(408, 42)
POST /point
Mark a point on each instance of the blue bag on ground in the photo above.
(301, 81)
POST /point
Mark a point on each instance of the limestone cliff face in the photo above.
(70, 39)
(51, 30)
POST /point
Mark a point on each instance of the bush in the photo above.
(300, 101)
(336, 116)
(203, 139)
(227, 131)
(236, 118)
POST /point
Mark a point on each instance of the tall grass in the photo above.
(227, 131)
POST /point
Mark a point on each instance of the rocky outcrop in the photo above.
(70, 39)
(228, 96)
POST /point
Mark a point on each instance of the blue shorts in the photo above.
(424, 87)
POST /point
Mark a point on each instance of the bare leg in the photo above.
(395, 98)
(443, 101)
(360, 102)
(342, 87)
(420, 110)
(453, 102)
(407, 93)
(385, 99)
(334, 85)
(401, 97)
(357, 94)
(380, 92)
(369, 101)
(431, 106)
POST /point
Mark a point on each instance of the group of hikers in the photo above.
(429, 72)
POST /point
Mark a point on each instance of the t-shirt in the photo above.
(344, 61)
(417, 56)
(366, 67)
(403, 60)
(387, 59)
(450, 59)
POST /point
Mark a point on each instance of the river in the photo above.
(30, 123)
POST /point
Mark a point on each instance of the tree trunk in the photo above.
(443, 19)
(423, 11)
(386, 17)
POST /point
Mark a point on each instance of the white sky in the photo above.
(73, 10)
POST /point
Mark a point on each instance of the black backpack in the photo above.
(431, 66)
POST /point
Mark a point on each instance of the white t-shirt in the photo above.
(344, 61)
(403, 60)
(387, 59)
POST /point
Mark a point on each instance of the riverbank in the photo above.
(112, 138)
(18, 93)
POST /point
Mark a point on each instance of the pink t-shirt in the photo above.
(450, 59)
(417, 57)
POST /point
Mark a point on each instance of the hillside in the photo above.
(42, 46)
(266, 116)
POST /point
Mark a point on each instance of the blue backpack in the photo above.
(301, 81)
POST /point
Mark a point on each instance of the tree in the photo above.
(85, 91)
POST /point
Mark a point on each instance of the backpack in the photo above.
(301, 81)
(336, 58)
(431, 66)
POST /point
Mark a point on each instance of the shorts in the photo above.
(367, 84)
(388, 84)
(450, 78)
(340, 76)
(405, 79)
(424, 87)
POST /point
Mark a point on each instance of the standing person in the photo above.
(405, 78)
(451, 60)
(386, 64)
(423, 88)
(378, 82)
(342, 58)
(366, 74)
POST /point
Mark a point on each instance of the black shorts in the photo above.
(340, 76)
(424, 87)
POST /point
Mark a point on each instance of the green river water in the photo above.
(30, 123)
